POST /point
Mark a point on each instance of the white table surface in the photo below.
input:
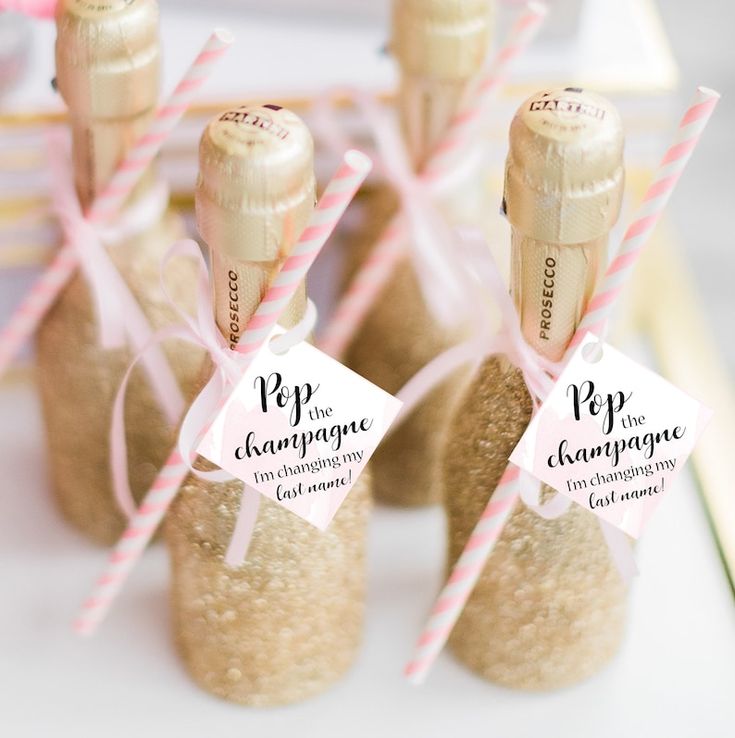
(675, 676)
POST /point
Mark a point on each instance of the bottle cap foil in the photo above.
(564, 173)
(444, 39)
(107, 57)
(256, 187)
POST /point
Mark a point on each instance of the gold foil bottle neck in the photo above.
(107, 57)
(256, 187)
(564, 173)
(444, 39)
(563, 188)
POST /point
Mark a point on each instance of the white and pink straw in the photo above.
(376, 271)
(466, 126)
(649, 213)
(329, 210)
(469, 566)
(42, 295)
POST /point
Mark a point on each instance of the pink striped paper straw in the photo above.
(377, 269)
(166, 119)
(42, 295)
(26, 317)
(465, 127)
(464, 576)
(31, 8)
(330, 208)
(469, 566)
(649, 213)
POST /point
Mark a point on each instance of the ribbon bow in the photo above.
(228, 367)
(538, 375)
(484, 286)
(441, 281)
(119, 315)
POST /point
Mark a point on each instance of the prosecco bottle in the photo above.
(549, 607)
(286, 623)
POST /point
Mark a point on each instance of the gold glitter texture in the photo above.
(549, 607)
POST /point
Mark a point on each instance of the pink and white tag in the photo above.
(299, 428)
(611, 435)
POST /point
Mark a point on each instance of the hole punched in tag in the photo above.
(592, 352)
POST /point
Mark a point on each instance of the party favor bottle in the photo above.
(107, 67)
(549, 607)
(440, 47)
(286, 623)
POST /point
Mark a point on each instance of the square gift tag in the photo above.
(611, 435)
(299, 428)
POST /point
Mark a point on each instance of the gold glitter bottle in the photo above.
(107, 66)
(440, 46)
(549, 607)
(287, 622)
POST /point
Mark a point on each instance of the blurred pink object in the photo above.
(33, 8)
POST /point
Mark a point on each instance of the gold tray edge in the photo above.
(673, 318)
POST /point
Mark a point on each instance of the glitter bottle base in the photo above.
(549, 607)
(284, 625)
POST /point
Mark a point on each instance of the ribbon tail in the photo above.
(530, 492)
(82, 236)
(247, 516)
(433, 374)
(197, 420)
(434, 262)
(119, 450)
(621, 551)
(157, 367)
(118, 442)
(99, 273)
(189, 248)
(617, 542)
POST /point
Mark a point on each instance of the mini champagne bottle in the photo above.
(549, 607)
(286, 623)
(107, 67)
(440, 47)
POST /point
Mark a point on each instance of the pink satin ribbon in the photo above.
(88, 240)
(228, 366)
(430, 240)
(119, 315)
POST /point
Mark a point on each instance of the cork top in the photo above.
(443, 39)
(107, 57)
(256, 187)
(564, 173)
